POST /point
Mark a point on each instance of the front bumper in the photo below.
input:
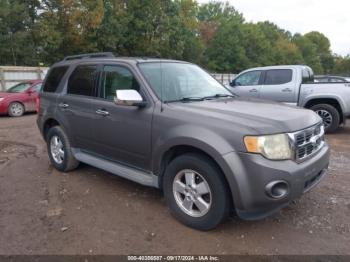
(252, 172)
(3, 107)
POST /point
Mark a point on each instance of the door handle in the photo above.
(287, 90)
(63, 105)
(253, 90)
(102, 112)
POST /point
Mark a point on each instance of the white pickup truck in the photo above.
(295, 85)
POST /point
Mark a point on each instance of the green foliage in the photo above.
(222, 33)
(214, 35)
(342, 65)
(16, 42)
(309, 52)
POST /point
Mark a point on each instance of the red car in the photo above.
(20, 98)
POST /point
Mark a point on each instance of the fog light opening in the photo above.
(277, 189)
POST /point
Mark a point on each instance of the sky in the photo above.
(330, 17)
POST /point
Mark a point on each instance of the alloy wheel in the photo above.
(57, 150)
(16, 109)
(192, 193)
(326, 117)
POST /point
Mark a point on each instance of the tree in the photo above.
(342, 65)
(283, 51)
(214, 14)
(309, 52)
(225, 52)
(113, 33)
(214, 34)
(258, 48)
(220, 31)
(16, 43)
(68, 27)
(323, 48)
(287, 53)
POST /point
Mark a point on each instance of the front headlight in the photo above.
(274, 147)
(1, 98)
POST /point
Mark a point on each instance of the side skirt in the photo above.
(138, 176)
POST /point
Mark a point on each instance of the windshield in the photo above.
(19, 88)
(181, 82)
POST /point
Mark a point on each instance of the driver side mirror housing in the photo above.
(233, 83)
(129, 97)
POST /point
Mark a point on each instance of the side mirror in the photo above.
(233, 83)
(29, 91)
(129, 97)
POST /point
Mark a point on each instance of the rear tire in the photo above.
(59, 150)
(330, 116)
(16, 109)
(191, 205)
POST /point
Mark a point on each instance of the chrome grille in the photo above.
(308, 141)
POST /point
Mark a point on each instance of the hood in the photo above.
(258, 116)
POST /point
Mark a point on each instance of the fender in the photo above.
(310, 97)
(189, 135)
(61, 122)
(209, 142)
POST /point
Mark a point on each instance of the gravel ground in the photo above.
(89, 211)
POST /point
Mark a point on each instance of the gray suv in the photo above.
(170, 125)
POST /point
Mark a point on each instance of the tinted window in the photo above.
(82, 81)
(278, 76)
(248, 79)
(54, 78)
(117, 78)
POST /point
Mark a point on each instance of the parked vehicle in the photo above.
(20, 98)
(170, 125)
(295, 85)
(331, 79)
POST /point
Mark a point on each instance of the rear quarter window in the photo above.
(54, 78)
(278, 76)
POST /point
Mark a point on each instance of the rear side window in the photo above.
(308, 75)
(82, 81)
(54, 78)
(278, 76)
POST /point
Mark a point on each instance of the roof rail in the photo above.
(89, 55)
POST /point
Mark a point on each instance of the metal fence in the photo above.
(225, 79)
(12, 75)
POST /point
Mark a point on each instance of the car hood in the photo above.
(258, 116)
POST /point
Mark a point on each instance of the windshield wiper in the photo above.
(218, 96)
(186, 99)
(192, 99)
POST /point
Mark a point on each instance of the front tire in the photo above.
(330, 116)
(59, 150)
(196, 192)
(16, 109)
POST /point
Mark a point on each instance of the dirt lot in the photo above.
(89, 211)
